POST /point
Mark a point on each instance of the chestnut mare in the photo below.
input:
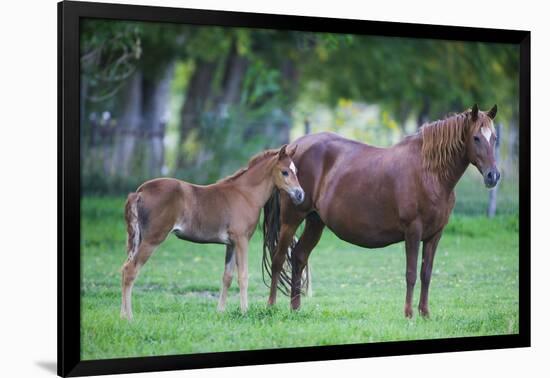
(373, 197)
(224, 213)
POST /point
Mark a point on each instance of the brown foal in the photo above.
(226, 212)
(373, 197)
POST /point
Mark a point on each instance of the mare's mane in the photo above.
(444, 139)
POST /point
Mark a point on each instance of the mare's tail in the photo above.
(132, 225)
(271, 228)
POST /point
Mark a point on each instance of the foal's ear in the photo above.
(282, 152)
(493, 112)
(475, 110)
(292, 150)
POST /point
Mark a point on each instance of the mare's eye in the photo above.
(285, 173)
(476, 139)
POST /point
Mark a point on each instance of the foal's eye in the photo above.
(476, 139)
(285, 173)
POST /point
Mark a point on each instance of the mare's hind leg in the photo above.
(130, 271)
(428, 253)
(227, 275)
(309, 239)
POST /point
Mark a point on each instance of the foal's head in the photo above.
(480, 144)
(284, 175)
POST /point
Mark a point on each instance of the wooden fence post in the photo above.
(493, 193)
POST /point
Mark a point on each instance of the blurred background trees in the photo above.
(196, 102)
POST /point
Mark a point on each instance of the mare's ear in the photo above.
(282, 152)
(292, 150)
(475, 110)
(493, 112)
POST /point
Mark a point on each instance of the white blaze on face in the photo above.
(293, 167)
(487, 131)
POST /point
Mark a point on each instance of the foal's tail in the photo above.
(132, 225)
(271, 228)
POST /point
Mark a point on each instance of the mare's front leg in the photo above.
(286, 236)
(290, 220)
(428, 253)
(241, 250)
(309, 239)
(227, 275)
(412, 244)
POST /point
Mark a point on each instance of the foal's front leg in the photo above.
(241, 250)
(227, 275)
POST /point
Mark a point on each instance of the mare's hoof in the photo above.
(425, 313)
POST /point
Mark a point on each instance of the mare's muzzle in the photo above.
(491, 177)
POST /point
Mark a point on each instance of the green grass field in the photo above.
(358, 294)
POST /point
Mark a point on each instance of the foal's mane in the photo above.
(254, 160)
(444, 140)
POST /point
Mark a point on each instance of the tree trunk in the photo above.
(402, 114)
(493, 193)
(424, 114)
(197, 94)
(235, 70)
(513, 140)
(128, 126)
(307, 126)
(289, 75)
(155, 108)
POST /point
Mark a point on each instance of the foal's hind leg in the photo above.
(428, 253)
(309, 239)
(130, 271)
(227, 275)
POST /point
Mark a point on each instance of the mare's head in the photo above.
(480, 144)
(285, 175)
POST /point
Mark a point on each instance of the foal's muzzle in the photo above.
(297, 195)
(491, 177)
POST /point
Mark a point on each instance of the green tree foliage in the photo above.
(426, 78)
(109, 54)
(235, 91)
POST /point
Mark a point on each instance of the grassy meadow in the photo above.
(358, 294)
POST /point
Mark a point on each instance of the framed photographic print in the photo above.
(240, 188)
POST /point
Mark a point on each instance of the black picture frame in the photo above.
(69, 17)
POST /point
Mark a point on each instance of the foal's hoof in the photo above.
(408, 312)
